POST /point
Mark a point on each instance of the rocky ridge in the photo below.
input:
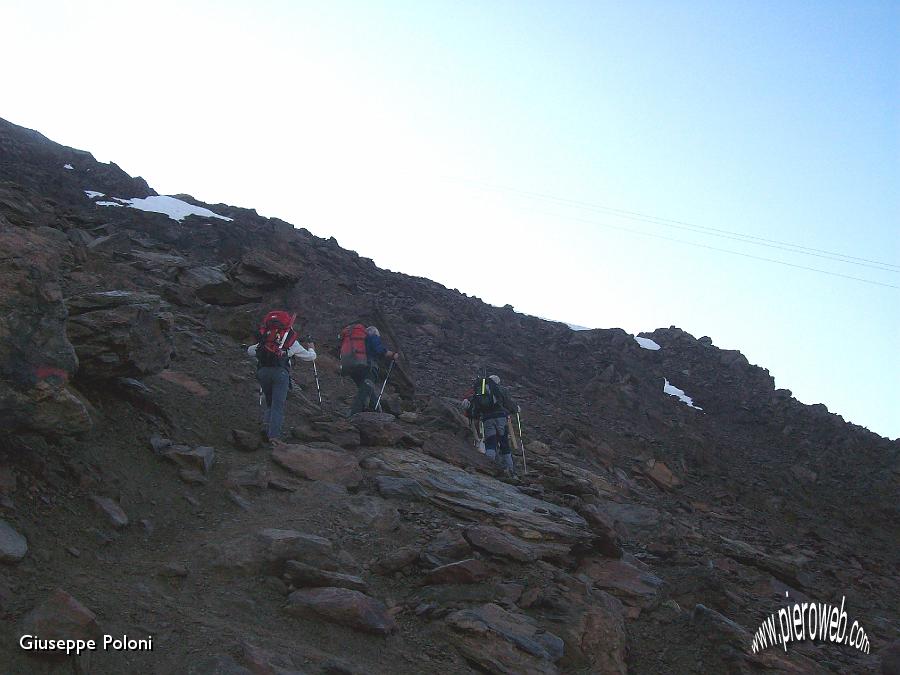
(647, 536)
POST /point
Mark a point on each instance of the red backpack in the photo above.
(275, 337)
(353, 348)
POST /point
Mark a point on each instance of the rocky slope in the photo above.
(647, 536)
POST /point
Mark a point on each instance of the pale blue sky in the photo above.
(418, 134)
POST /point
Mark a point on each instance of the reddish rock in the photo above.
(497, 542)
(635, 587)
(469, 571)
(342, 606)
(200, 458)
(377, 429)
(316, 463)
(61, 617)
(184, 381)
(111, 510)
(660, 474)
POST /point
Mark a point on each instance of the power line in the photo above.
(723, 250)
(700, 229)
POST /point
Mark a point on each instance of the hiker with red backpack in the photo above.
(360, 353)
(492, 405)
(276, 344)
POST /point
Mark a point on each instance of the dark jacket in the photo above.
(503, 403)
(375, 349)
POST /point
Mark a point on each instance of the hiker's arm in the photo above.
(302, 353)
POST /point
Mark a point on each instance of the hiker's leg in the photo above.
(264, 377)
(363, 391)
(280, 381)
(492, 435)
(506, 463)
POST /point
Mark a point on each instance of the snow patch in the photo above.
(646, 343)
(91, 194)
(69, 167)
(574, 327)
(672, 390)
(170, 206)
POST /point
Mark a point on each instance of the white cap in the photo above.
(495, 378)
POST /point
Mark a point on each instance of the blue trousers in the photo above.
(275, 382)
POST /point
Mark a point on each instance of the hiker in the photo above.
(360, 352)
(474, 424)
(492, 405)
(276, 344)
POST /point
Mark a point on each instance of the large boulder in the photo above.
(36, 358)
(378, 429)
(120, 334)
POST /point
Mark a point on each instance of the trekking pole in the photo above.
(308, 339)
(318, 388)
(522, 443)
(378, 401)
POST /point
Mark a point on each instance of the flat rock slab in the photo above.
(342, 606)
(13, 545)
(200, 458)
(302, 575)
(481, 498)
(268, 550)
(469, 571)
(495, 541)
(322, 464)
(61, 617)
(633, 586)
(498, 641)
(111, 510)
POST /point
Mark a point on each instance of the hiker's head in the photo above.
(494, 378)
(371, 330)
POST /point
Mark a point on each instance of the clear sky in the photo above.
(504, 148)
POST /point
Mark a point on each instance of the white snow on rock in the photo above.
(174, 208)
(646, 343)
(69, 167)
(574, 327)
(91, 194)
(672, 390)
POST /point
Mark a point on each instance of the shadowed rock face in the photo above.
(120, 334)
(36, 358)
